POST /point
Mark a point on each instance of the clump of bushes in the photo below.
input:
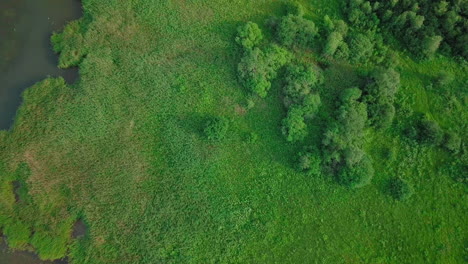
(249, 35)
(294, 30)
(257, 68)
(424, 130)
(216, 128)
(309, 161)
(294, 127)
(399, 189)
(335, 45)
(343, 142)
(380, 96)
(300, 99)
(452, 142)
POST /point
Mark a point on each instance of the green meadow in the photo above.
(124, 149)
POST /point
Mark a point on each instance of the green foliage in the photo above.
(361, 48)
(17, 234)
(400, 189)
(295, 8)
(310, 161)
(70, 44)
(257, 68)
(300, 82)
(452, 142)
(428, 131)
(52, 245)
(294, 127)
(431, 45)
(343, 142)
(380, 95)
(296, 31)
(333, 42)
(123, 144)
(356, 176)
(310, 105)
(216, 128)
(249, 35)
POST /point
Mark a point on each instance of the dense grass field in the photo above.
(123, 150)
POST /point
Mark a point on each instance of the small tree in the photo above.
(356, 176)
(452, 142)
(431, 45)
(249, 35)
(399, 189)
(333, 42)
(294, 127)
(429, 132)
(295, 30)
(294, 8)
(216, 128)
(361, 48)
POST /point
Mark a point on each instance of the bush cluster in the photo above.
(343, 142)
(216, 128)
(380, 96)
(300, 99)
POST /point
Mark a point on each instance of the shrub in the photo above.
(356, 176)
(296, 31)
(382, 115)
(428, 131)
(361, 48)
(300, 80)
(249, 35)
(310, 162)
(431, 45)
(252, 137)
(452, 142)
(294, 8)
(294, 127)
(333, 42)
(216, 128)
(444, 78)
(257, 68)
(399, 189)
(310, 105)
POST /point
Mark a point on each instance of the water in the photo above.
(26, 56)
(20, 257)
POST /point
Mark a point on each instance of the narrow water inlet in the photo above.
(26, 55)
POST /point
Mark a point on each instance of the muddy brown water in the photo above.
(26, 55)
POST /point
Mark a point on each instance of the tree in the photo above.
(309, 161)
(452, 142)
(399, 189)
(333, 42)
(294, 127)
(428, 131)
(431, 45)
(358, 175)
(294, 8)
(300, 80)
(216, 128)
(249, 35)
(310, 105)
(257, 68)
(296, 31)
(361, 48)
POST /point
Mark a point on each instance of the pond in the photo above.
(26, 56)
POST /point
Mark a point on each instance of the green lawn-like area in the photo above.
(123, 149)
